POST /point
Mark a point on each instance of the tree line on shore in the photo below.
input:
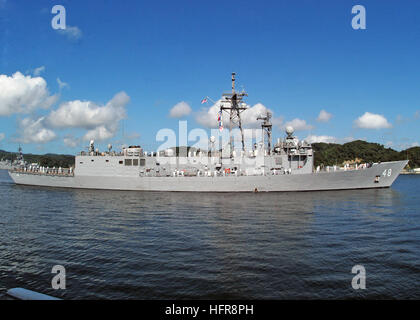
(329, 154)
(46, 160)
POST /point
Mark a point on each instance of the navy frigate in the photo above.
(288, 165)
(6, 164)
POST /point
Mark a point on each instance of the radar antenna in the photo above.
(233, 106)
(266, 127)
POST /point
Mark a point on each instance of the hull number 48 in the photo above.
(387, 173)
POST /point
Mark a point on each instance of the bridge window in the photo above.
(128, 162)
(135, 162)
(121, 162)
(142, 162)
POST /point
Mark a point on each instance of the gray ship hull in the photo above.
(380, 175)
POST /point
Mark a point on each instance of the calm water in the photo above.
(146, 245)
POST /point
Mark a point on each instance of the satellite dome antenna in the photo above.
(290, 130)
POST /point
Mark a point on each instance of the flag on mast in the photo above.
(219, 119)
(205, 100)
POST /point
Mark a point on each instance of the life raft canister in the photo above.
(227, 171)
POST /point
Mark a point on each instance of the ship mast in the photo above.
(233, 106)
(266, 127)
(20, 154)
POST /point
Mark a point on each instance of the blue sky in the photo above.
(135, 60)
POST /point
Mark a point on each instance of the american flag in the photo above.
(204, 100)
(219, 119)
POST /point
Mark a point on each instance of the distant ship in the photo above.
(5, 164)
(287, 166)
(19, 162)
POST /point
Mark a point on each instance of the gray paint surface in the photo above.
(335, 180)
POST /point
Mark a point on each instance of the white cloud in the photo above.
(328, 139)
(316, 139)
(372, 121)
(61, 84)
(39, 70)
(2, 136)
(101, 121)
(23, 94)
(347, 139)
(34, 131)
(324, 116)
(208, 117)
(72, 33)
(71, 141)
(249, 116)
(101, 133)
(299, 125)
(402, 146)
(180, 110)
(133, 136)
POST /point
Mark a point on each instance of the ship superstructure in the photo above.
(286, 166)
